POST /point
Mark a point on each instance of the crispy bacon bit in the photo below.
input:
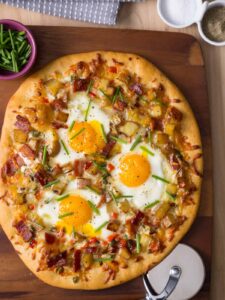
(59, 104)
(24, 231)
(56, 170)
(80, 85)
(33, 243)
(22, 123)
(111, 268)
(79, 167)
(114, 215)
(91, 250)
(174, 161)
(156, 124)
(58, 260)
(76, 260)
(83, 182)
(174, 113)
(42, 177)
(137, 88)
(199, 155)
(27, 152)
(113, 225)
(102, 200)
(137, 218)
(58, 125)
(19, 160)
(119, 105)
(8, 169)
(112, 69)
(131, 245)
(88, 164)
(108, 147)
(49, 238)
(155, 246)
(110, 167)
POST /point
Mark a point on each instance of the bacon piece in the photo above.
(131, 245)
(155, 246)
(49, 238)
(83, 182)
(57, 170)
(8, 169)
(42, 177)
(79, 167)
(22, 123)
(59, 104)
(102, 200)
(76, 260)
(19, 160)
(58, 125)
(137, 218)
(174, 113)
(24, 231)
(119, 105)
(113, 225)
(174, 161)
(80, 85)
(197, 156)
(58, 260)
(108, 147)
(91, 250)
(27, 152)
(112, 69)
(137, 88)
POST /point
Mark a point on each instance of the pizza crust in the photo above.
(147, 72)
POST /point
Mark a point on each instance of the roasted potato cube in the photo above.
(162, 210)
(53, 86)
(169, 220)
(19, 136)
(113, 225)
(44, 113)
(145, 240)
(156, 111)
(169, 128)
(87, 260)
(160, 138)
(129, 128)
(30, 113)
(124, 253)
(59, 187)
(124, 206)
(52, 142)
(171, 188)
(61, 116)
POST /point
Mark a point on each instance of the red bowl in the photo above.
(14, 25)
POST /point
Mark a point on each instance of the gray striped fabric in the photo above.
(95, 11)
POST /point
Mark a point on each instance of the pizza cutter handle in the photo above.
(175, 273)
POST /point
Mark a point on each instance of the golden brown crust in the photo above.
(147, 72)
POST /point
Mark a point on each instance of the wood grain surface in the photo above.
(179, 56)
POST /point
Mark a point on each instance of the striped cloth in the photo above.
(95, 11)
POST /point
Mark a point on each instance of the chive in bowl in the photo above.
(22, 33)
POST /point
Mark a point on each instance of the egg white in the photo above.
(152, 189)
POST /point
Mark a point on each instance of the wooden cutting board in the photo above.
(180, 57)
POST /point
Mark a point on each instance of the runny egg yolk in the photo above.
(74, 212)
(86, 137)
(134, 170)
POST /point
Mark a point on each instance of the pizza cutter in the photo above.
(186, 272)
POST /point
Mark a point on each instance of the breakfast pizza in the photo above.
(101, 168)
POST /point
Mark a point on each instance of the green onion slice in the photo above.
(101, 226)
(93, 207)
(66, 215)
(74, 232)
(113, 197)
(62, 197)
(87, 110)
(44, 155)
(116, 94)
(78, 133)
(117, 139)
(124, 196)
(138, 244)
(136, 142)
(90, 86)
(91, 188)
(71, 126)
(150, 205)
(103, 259)
(145, 149)
(64, 147)
(103, 133)
(51, 183)
(171, 196)
(160, 178)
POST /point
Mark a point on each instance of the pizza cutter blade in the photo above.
(174, 276)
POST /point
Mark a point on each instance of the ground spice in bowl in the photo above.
(213, 23)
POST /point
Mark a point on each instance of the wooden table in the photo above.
(143, 16)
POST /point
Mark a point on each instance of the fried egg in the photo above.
(135, 171)
(84, 134)
(74, 211)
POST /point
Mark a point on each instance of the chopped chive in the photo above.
(101, 226)
(103, 259)
(150, 205)
(101, 167)
(171, 196)
(90, 86)
(44, 155)
(93, 207)
(74, 232)
(149, 137)
(121, 95)
(117, 139)
(103, 133)
(71, 126)
(66, 215)
(147, 150)
(113, 197)
(21, 33)
(64, 147)
(160, 178)
(15, 66)
(124, 196)
(76, 134)
(91, 188)
(1, 33)
(156, 100)
(11, 39)
(136, 142)
(138, 244)
(87, 110)
(51, 183)
(107, 96)
(62, 197)
(115, 94)
(22, 46)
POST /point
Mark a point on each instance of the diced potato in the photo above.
(115, 150)
(19, 136)
(151, 94)
(61, 116)
(53, 86)
(87, 260)
(44, 113)
(113, 225)
(124, 253)
(134, 115)
(124, 206)
(145, 240)
(59, 187)
(30, 113)
(160, 138)
(129, 128)
(103, 84)
(169, 220)
(156, 111)
(169, 128)
(162, 210)
(52, 142)
(171, 188)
